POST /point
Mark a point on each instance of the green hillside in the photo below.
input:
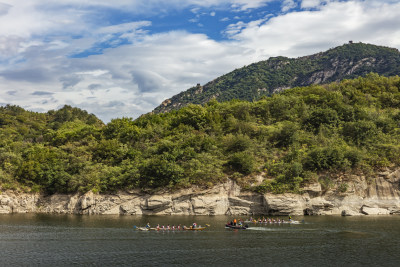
(291, 139)
(276, 74)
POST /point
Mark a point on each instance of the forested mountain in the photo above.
(292, 138)
(278, 73)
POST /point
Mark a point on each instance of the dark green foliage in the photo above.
(68, 113)
(110, 152)
(242, 162)
(192, 115)
(359, 132)
(160, 171)
(123, 129)
(237, 143)
(321, 116)
(326, 158)
(286, 134)
(290, 138)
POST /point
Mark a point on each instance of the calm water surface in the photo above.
(64, 240)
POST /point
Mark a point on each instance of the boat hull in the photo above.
(194, 229)
(236, 227)
(281, 222)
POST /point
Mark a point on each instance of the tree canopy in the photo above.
(291, 138)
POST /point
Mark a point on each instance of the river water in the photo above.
(65, 240)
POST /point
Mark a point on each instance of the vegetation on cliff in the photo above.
(289, 138)
(278, 73)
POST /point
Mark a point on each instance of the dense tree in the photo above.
(290, 138)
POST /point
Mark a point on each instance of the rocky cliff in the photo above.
(381, 196)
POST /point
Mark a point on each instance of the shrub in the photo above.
(242, 162)
(321, 116)
(343, 187)
(359, 132)
(286, 134)
(237, 143)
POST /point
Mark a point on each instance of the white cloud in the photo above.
(235, 28)
(195, 10)
(288, 5)
(311, 3)
(306, 32)
(124, 27)
(245, 4)
(140, 75)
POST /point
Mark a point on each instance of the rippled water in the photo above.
(64, 240)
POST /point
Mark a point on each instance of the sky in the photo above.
(122, 58)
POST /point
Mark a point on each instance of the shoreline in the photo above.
(382, 197)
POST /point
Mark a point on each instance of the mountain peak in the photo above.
(279, 73)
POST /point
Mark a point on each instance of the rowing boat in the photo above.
(194, 229)
(276, 222)
(170, 229)
(236, 226)
(166, 229)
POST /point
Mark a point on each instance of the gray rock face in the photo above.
(374, 211)
(285, 204)
(380, 197)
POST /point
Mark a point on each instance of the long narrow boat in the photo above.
(142, 228)
(243, 227)
(275, 222)
(194, 229)
(166, 229)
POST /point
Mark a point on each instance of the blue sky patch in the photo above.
(208, 21)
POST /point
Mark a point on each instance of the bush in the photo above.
(343, 187)
(326, 183)
(237, 143)
(158, 172)
(359, 132)
(286, 134)
(326, 158)
(242, 162)
(321, 116)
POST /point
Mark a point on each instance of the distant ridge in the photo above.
(279, 73)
